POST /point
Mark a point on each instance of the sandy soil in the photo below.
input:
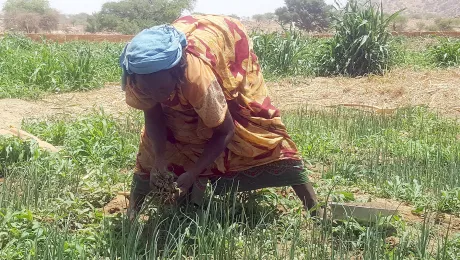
(438, 90)
(109, 98)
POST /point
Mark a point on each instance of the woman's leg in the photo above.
(307, 195)
(277, 174)
(140, 188)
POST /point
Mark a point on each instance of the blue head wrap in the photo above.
(152, 50)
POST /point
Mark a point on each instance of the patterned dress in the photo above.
(223, 73)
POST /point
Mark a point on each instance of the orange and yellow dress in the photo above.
(223, 73)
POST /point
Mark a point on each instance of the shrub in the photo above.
(444, 24)
(399, 23)
(23, 21)
(131, 16)
(360, 45)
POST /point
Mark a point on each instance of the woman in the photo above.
(208, 116)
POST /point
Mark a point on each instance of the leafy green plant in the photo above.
(30, 68)
(51, 205)
(449, 201)
(447, 53)
(285, 54)
(13, 151)
(360, 45)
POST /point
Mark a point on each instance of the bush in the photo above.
(421, 26)
(264, 17)
(22, 21)
(447, 53)
(444, 24)
(399, 23)
(49, 21)
(360, 45)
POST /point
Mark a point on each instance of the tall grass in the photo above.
(30, 68)
(412, 155)
(286, 54)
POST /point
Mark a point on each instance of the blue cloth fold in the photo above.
(152, 50)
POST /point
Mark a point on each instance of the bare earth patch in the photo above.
(118, 205)
(109, 98)
(438, 90)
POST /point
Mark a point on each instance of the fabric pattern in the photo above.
(223, 74)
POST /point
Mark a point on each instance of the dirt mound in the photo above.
(118, 205)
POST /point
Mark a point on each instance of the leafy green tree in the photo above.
(131, 16)
(30, 15)
(310, 15)
(33, 6)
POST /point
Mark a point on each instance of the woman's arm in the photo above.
(155, 127)
(222, 135)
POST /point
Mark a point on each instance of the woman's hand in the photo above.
(161, 167)
(186, 181)
(222, 135)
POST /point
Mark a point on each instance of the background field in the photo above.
(390, 140)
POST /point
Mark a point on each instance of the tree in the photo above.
(131, 16)
(310, 15)
(30, 15)
(33, 6)
(78, 19)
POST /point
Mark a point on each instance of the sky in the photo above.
(242, 8)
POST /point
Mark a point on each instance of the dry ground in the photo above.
(438, 89)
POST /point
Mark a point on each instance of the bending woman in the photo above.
(208, 116)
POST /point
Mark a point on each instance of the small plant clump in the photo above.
(166, 190)
(447, 53)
